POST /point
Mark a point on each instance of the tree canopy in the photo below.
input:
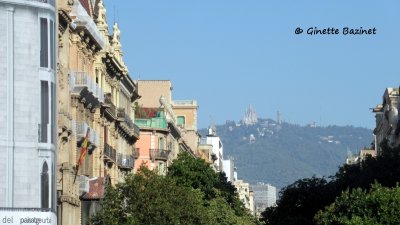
(301, 201)
(377, 206)
(191, 193)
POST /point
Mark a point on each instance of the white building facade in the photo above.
(217, 148)
(229, 169)
(264, 196)
(28, 123)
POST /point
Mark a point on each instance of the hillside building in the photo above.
(250, 116)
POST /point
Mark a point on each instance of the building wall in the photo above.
(143, 145)
(149, 146)
(95, 93)
(188, 109)
(26, 161)
(264, 196)
(152, 90)
(386, 115)
(229, 169)
(190, 114)
(243, 190)
(217, 149)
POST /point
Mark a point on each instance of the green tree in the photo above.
(196, 173)
(191, 193)
(379, 206)
(299, 202)
(193, 172)
(146, 198)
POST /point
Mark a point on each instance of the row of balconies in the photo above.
(80, 81)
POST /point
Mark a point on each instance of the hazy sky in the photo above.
(227, 54)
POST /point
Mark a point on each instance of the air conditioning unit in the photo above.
(83, 185)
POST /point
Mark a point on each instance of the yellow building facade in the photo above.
(95, 101)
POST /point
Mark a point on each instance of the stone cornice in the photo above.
(69, 199)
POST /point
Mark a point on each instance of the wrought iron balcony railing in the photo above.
(108, 102)
(80, 80)
(126, 161)
(124, 117)
(159, 154)
(109, 153)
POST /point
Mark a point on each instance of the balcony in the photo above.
(159, 154)
(81, 128)
(127, 124)
(83, 21)
(110, 154)
(126, 161)
(152, 123)
(109, 106)
(81, 83)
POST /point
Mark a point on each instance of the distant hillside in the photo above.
(280, 155)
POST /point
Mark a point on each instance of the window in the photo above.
(44, 60)
(53, 110)
(181, 121)
(47, 43)
(161, 169)
(52, 47)
(47, 112)
(44, 110)
(161, 143)
(44, 186)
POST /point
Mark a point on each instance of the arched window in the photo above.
(44, 186)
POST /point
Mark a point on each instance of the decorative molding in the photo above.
(69, 199)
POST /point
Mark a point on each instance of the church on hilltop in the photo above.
(250, 116)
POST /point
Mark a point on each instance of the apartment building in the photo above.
(96, 99)
(161, 138)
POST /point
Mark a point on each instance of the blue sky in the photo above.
(227, 54)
